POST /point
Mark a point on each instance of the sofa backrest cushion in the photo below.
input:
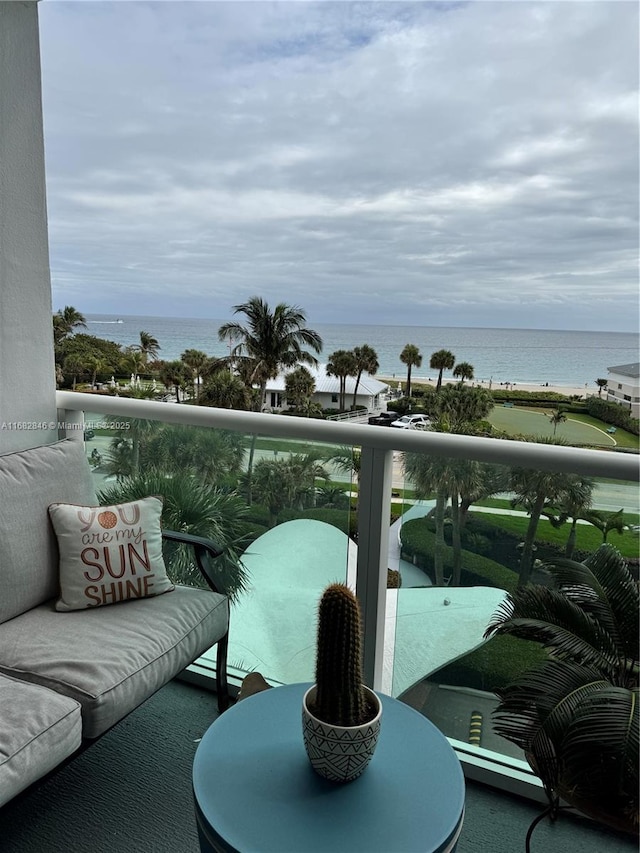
(30, 481)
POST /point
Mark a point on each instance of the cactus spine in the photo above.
(340, 697)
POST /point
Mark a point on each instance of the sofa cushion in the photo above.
(38, 730)
(110, 659)
(109, 554)
(29, 481)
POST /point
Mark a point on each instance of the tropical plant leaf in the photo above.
(600, 756)
(603, 586)
(576, 715)
(548, 617)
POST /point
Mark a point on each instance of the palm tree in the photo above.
(133, 361)
(492, 480)
(431, 474)
(533, 489)
(303, 471)
(148, 347)
(442, 360)
(271, 340)
(464, 370)
(606, 521)
(211, 454)
(341, 363)
(412, 357)
(174, 374)
(348, 460)
(458, 407)
(576, 715)
(223, 390)
(270, 486)
(196, 360)
(601, 383)
(134, 437)
(366, 362)
(558, 416)
(461, 481)
(118, 460)
(465, 476)
(96, 365)
(74, 365)
(573, 504)
(65, 321)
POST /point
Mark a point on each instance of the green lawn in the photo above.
(535, 422)
(285, 446)
(622, 437)
(588, 537)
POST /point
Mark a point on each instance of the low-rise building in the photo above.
(623, 386)
(370, 391)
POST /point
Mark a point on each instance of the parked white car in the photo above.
(412, 422)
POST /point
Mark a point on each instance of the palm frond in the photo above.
(543, 697)
(548, 617)
(603, 587)
(599, 767)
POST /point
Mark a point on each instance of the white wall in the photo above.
(27, 377)
(620, 385)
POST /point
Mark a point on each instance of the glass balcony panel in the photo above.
(410, 671)
(441, 664)
(281, 508)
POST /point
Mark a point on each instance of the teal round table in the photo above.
(255, 790)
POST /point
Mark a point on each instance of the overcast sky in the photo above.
(467, 164)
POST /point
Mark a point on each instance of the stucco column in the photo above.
(27, 377)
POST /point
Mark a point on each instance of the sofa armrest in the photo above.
(204, 550)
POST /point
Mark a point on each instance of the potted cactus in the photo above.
(340, 715)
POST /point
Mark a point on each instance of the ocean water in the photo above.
(569, 358)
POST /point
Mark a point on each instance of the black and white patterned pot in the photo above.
(339, 753)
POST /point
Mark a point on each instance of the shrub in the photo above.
(418, 542)
(336, 517)
(258, 514)
(529, 398)
(612, 413)
(493, 665)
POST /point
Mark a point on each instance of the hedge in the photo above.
(612, 413)
(507, 531)
(347, 522)
(495, 664)
(418, 543)
(530, 397)
(258, 514)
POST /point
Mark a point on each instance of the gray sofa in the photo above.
(68, 677)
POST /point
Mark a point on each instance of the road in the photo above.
(607, 496)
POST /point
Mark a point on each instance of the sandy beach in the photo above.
(392, 381)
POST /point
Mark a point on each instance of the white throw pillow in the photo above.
(109, 553)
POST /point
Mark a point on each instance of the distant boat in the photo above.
(105, 321)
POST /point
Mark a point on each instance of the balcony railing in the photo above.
(410, 633)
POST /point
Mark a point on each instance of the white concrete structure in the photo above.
(273, 625)
(370, 390)
(27, 373)
(623, 387)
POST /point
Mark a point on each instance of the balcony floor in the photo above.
(131, 793)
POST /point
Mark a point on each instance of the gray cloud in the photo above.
(465, 163)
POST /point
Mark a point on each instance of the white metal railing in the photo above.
(377, 447)
(350, 416)
(375, 478)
